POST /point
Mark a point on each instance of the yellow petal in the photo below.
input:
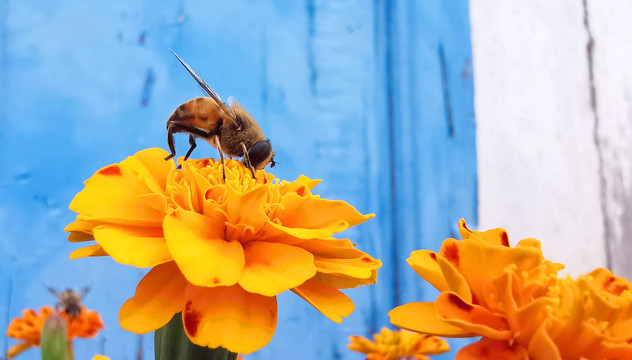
(345, 282)
(117, 194)
(422, 317)
(312, 212)
(246, 208)
(151, 167)
(494, 349)
(425, 264)
(93, 250)
(140, 247)
(472, 318)
(159, 296)
(361, 267)
(197, 245)
(82, 224)
(307, 234)
(229, 317)
(273, 268)
(329, 301)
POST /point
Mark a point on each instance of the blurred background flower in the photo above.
(28, 328)
(398, 344)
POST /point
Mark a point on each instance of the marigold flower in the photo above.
(514, 299)
(397, 344)
(219, 252)
(29, 327)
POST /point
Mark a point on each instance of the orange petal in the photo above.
(197, 245)
(230, 317)
(328, 300)
(15, 350)
(422, 317)
(478, 261)
(472, 318)
(425, 264)
(93, 250)
(140, 247)
(542, 346)
(312, 212)
(78, 236)
(273, 268)
(494, 349)
(455, 280)
(493, 237)
(159, 296)
(117, 194)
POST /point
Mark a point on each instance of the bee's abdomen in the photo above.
(198, 112)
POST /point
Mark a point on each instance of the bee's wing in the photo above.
(83, 292)
(231, 101)
(53, 291)
(205, 86)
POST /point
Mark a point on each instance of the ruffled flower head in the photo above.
(219, 252)
(513, 297)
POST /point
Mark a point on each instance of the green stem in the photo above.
(70, 351)
(171, 342)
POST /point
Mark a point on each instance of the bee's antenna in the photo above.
(204, 85)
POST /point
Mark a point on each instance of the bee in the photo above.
(70, 300)
(227, 127)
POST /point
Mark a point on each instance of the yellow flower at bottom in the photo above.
(219, 252)
(396, 344)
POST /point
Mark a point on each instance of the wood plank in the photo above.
(374, 98)
(609, 27)
(538, 166)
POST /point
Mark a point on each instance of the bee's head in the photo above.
(261, 155)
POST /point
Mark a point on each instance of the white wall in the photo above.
(552, 164)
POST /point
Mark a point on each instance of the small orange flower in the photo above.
(28, 328)
(219, 252)
(514, 299)
(396, 344)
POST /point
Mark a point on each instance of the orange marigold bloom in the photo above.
(398, 344)
(29, 327)
(219, 252)
(514, 299)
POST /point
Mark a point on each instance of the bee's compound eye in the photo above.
(259, 153)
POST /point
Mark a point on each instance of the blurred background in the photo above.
(377, 98)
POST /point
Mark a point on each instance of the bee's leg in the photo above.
(193, 145)
(171, 143)
(248, 163)
(221, 156)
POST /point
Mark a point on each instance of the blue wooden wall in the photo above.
(375, 98)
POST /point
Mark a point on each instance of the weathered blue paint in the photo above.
(374, 98)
